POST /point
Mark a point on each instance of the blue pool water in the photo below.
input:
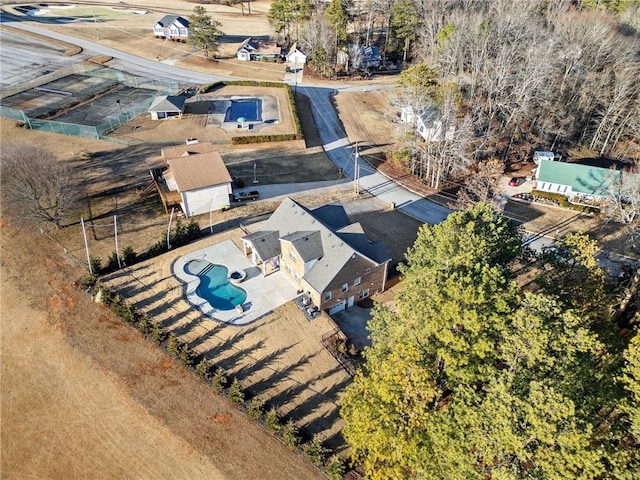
(214, 285)
(250, 109)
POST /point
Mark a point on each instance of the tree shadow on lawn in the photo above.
(263, 363)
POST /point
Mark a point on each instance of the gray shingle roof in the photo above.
(291, 218)
(169, 19)
(333, 216)
(266, 243)
(307, 244)
(168, 103)
(354, 235)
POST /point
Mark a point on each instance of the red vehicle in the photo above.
(516, 181)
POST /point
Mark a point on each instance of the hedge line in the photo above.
(282, 137)
(561, 200)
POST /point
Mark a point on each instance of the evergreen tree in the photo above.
(236, 395)
(470, 377)
(403, 24)
(204, 32)
(337, 15)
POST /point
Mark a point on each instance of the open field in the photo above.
(117, 25)
(85, 396)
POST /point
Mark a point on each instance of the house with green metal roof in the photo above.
(576, 182)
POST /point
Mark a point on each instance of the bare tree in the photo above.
(36, 185)
(319, 40)
(622, 205)
(480, 185)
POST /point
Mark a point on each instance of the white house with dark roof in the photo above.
(295, 56)
(329, 257)
(192, 176)
(253, 49)
(428, 123)
(173, 27)
(167, 106)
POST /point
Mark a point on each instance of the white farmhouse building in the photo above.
(574, 181)
(172, 27)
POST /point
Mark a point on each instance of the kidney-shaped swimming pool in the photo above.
(214, 285)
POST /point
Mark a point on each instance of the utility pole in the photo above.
(86, 245)
(169, 229)
(95, 22)
(356, 172)
(115, 229)
(295, 73)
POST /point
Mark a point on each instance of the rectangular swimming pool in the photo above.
(250, 109)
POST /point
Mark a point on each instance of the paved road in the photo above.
(125, 61)
(343, 155)
(332, 133)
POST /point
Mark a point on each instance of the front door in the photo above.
(350, 302)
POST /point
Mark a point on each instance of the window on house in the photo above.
(327, 296)
(292, 255)
(363, 294)
(345, 287)
(357, 281)
(297, 277)
(287, 267)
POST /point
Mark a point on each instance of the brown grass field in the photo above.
(85, 396)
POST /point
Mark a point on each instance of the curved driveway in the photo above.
(332, 134)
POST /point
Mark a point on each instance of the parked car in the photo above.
(241, 196)
(516, 181)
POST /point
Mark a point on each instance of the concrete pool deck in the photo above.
(264, 294)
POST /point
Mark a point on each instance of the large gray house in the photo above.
(328, 256)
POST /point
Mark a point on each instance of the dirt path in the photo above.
(85, 396)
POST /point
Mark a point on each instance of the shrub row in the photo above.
(561, 200)
(282, 137)
(217, 378)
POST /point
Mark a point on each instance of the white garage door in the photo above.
(338, 308)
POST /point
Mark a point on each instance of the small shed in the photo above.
(167, 106)
(295, 56)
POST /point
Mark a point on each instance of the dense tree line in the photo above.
(473, 376)
(532, 73)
